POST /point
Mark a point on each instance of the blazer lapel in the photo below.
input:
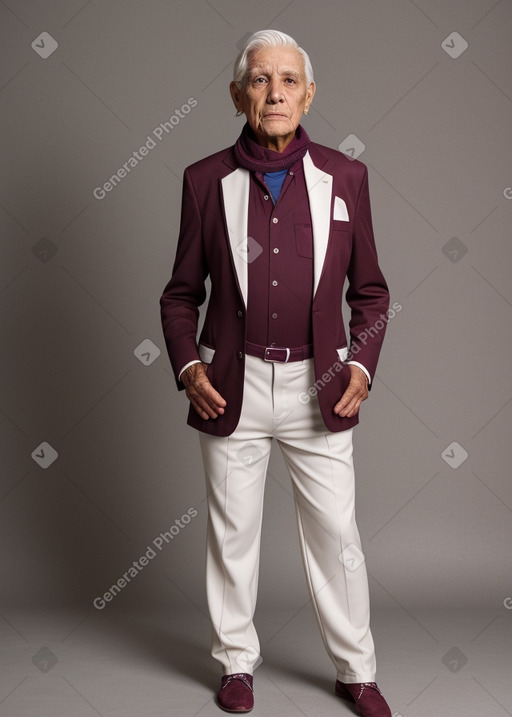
(235, 191)
(319, 186)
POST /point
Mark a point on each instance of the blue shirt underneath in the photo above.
(274, 181)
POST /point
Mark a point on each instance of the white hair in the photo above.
(268, 38)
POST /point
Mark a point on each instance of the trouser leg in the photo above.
(235, 471)
(321, 467)
(331, 553)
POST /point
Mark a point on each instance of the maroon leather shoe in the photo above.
(366, 696)
(236, 694)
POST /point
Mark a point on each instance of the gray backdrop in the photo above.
(97, 460)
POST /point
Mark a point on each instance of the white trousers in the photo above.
(322, 474)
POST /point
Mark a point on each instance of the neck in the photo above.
(276, 144)
(272, 154)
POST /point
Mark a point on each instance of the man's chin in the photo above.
(277, 128)
(281, 124)
(275, 133)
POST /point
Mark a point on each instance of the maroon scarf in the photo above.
(253, 156)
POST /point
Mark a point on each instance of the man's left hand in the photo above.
(355, 394)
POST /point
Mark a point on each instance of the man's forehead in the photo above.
(281, 69)
(282, 59)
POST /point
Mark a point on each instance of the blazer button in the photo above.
(239, 314)
(240, 354)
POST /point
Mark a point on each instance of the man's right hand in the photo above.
(204, 398)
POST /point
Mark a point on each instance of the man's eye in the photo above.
(259, 80)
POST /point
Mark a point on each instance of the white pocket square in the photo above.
(340, 210)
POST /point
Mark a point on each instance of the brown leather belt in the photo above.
(278, 353)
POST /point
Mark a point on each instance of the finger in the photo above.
(346, 398)
(202, 407)
(351, 409)
(206, 391)
(349, 403)
(206, 400)
(212, 395)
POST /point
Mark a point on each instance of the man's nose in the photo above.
(274, 92)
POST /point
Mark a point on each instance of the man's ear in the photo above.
(235, 92)
(310, 93)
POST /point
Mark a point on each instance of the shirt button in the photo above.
(240, 354)
(265, 197)
(239, 314)
(274, 315)
(291, 174)
(276, 250)
(275, 220)
(274, 283)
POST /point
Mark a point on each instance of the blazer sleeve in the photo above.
(185, 292)
(367, 293)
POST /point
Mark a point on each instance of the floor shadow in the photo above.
(166, 644)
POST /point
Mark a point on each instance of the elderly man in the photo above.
(278, 222)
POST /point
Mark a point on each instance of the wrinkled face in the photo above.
(274, 95)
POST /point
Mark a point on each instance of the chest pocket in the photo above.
(304, 240)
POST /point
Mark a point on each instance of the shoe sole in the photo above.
(240, 712)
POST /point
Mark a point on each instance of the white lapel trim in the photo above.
(235, 190)
(319, 186)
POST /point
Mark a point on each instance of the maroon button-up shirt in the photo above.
(280, 278)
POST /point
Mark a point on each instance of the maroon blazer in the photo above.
(212, 240)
